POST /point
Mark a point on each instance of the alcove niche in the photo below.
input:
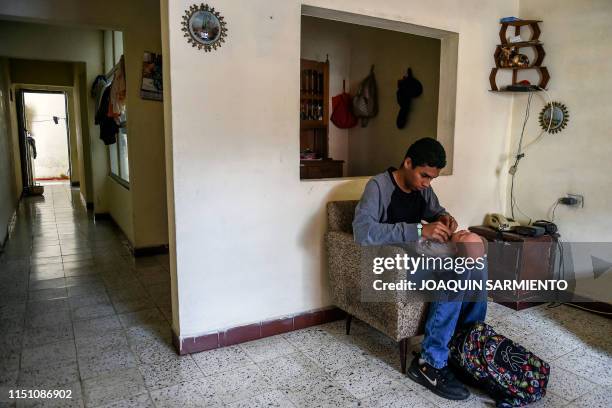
(340, 48)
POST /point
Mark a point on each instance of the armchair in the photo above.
(397, 318)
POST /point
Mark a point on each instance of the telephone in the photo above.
(549, 227)
(500, 222)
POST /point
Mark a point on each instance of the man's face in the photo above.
(420, 177)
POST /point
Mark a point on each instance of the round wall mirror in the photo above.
(554, 117)
(204, 27)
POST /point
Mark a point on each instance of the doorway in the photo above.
(45, 137)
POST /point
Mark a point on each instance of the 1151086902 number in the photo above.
(40, 394)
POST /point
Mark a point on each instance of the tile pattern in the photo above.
(78, 312)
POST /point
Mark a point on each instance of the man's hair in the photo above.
(426, 152)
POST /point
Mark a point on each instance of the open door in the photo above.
(24, 150)
(44, 137)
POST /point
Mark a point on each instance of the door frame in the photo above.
(21, 130)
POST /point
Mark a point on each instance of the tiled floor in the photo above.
(78, 313)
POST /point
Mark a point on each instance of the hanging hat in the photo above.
(407, 88)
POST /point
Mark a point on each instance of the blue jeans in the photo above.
(443, 318)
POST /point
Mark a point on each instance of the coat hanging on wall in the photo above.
(407, 88)
(342, 116)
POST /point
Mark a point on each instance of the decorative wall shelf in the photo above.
(533, 43)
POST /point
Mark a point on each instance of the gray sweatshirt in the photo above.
(375, 223)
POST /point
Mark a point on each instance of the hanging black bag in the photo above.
(407, 88)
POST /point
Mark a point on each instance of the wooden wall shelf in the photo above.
(543, 71)
(533, 42)
(533, 24)
(537, 46)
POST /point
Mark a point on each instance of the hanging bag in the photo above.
(341, 115)
(365, 102)
(407, 88)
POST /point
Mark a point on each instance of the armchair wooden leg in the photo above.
(403, 347)
(349, 318)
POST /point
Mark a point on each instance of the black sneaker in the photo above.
(441, 381)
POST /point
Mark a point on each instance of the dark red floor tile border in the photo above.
(242, 334)
(274, 327)
(308, 319)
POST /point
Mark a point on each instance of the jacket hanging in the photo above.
(108, 126)
(118, 91)
(407, 88)
(341, 115)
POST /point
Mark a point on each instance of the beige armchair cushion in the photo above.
(399, 318)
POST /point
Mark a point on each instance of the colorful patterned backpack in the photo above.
(512, 375)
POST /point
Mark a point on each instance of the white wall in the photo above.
(249, 233)
(8, 191)
(576, 160)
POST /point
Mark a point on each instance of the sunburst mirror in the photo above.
(204, 27)
(554, 117)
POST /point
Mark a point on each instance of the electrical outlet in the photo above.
(579, 198)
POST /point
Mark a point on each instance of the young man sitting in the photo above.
(393, 205)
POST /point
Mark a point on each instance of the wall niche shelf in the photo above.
(533, 43)
(314, 122)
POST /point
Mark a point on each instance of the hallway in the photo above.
(79, 313)
(75, 306)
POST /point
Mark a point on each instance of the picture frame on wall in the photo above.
(151, 87)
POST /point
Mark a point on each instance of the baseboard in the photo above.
(136, 252)
(103, 216)
(52, 179)
(585, 303)
(517, 304)
(242, 334)
(150, 251)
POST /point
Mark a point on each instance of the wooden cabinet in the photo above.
(517, 257)
(317, 169)
(314, 120)
(314, 94)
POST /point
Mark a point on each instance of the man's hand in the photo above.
(449, 221)
(436, 231)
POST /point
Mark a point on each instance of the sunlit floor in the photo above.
(79, 313)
